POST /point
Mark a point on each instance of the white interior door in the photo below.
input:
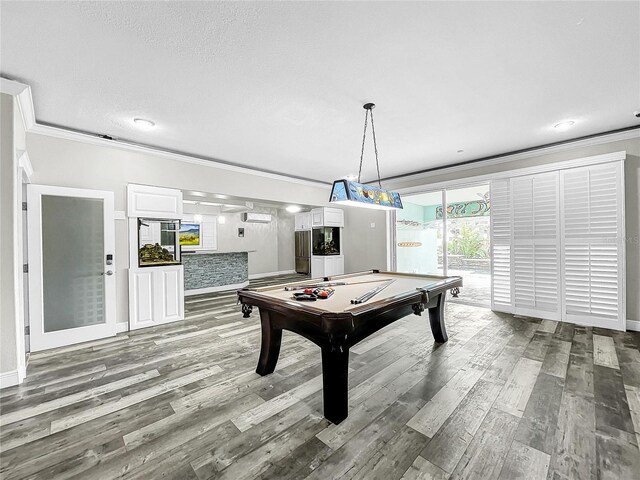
(71, 265)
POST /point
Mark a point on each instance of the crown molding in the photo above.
(66, 134)
(598, 139)
(22, 94)
(516, 172)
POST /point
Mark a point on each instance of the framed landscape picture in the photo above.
(190, 234)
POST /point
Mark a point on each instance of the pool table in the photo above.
(336, 324)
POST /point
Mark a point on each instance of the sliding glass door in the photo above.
(448, 241)
(468, 247)
(420, 234)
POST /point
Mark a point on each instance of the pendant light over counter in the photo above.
(348, 192)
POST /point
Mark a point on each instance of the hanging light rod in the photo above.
(349, 192)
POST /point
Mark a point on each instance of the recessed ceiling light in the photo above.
(190, 202)
(293, 209)
(211, 204)
(144, 123)
(564, 125)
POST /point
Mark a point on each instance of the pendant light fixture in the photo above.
(347, 192)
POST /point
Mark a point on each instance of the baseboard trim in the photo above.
(255, 276)
(122, 327)
(633, 325)
(10, 379)
(221, 288)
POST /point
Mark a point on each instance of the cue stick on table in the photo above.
(330, 284)
(372, 293)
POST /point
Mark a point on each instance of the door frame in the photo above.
(40, 340)
(23, 178)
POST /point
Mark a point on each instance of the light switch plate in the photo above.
(372, 224)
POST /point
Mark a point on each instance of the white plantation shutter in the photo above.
(593, 231)
(536, 245)
(501, 231)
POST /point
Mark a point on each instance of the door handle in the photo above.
(108, 272)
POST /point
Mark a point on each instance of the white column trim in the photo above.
(22, 94)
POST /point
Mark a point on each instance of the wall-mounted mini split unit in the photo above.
(251, 217)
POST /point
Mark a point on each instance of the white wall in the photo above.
(8, 357)
(632, 198)
(365, 248)
(272, 242)
(11, 337)
(286, 241)
(71, 163)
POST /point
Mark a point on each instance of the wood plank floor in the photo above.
(505, 398)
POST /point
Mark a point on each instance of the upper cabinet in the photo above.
(303, 221)
(327, 217)
(154, 202)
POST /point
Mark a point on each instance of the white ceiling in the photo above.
(228, 203)
(279, 86)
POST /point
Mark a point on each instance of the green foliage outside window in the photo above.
(469, 243)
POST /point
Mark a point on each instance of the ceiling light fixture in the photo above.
(564, 125)
(144, 124)
(350, 192)
(293, 209)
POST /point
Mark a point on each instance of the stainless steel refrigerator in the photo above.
(303, 252)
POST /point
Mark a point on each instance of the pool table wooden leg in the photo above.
(436, 319)
(270, 348)
(335, 385)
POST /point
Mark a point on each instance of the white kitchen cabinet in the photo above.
(327, 217)
(144, 201)
(303, 221)
(156, 296)
(327, 266)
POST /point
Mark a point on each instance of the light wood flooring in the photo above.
(505, 398)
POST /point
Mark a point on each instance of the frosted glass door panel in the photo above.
(72, 262)
(419, 234)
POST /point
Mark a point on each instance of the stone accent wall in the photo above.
(215, 270)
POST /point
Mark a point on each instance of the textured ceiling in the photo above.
(279, 86)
